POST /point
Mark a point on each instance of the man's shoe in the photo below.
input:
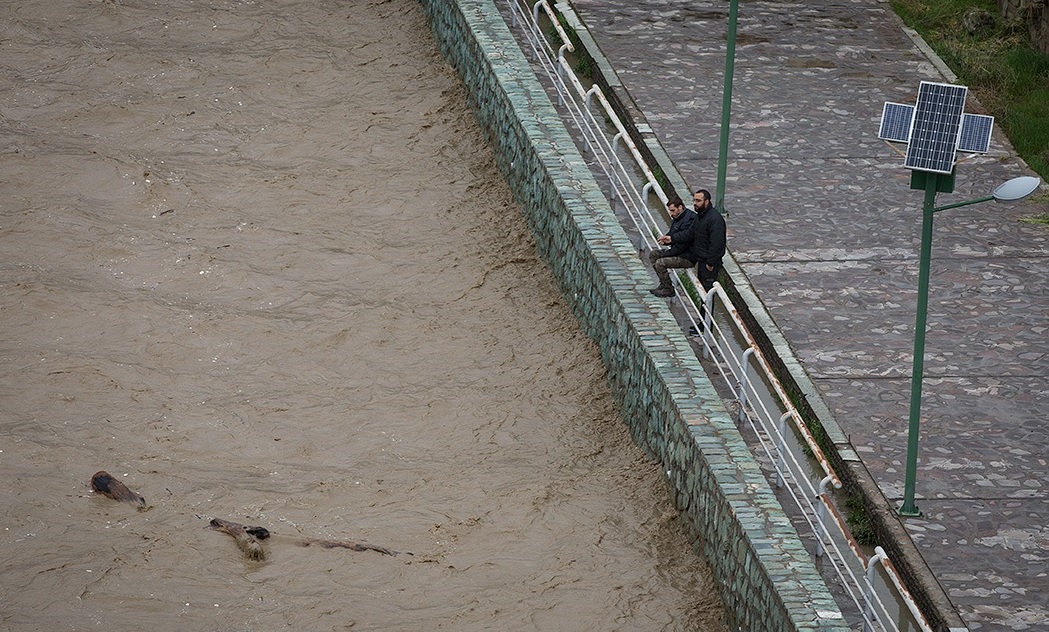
(663, 292)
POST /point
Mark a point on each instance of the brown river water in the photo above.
(257, 264)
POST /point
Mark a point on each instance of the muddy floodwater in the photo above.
(257, 264)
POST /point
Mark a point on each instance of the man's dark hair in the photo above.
(704, 193)
(674, 200)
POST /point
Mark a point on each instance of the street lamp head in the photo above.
(1016, 189)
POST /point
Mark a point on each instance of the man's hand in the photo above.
(664, 240)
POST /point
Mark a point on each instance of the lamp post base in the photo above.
(911, 511)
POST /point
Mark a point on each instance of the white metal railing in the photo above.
(855, 573)
(576, 101)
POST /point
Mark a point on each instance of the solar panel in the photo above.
(976, 133)
(936, 127)
(896, 122)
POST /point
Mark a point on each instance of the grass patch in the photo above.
(859, 520)
(1041, 198)
(998, 64)
(580, 61)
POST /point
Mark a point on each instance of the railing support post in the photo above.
(590, 96)
(646, 191)
(781, 449)
(535, 20)
(821, 514)
(708, 320)
(868, 590)
(561, 63)
(744, 382)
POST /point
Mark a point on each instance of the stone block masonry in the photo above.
(767, 578)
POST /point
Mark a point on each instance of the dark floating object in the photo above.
(106, 485)
(353, 546)
(248, 539)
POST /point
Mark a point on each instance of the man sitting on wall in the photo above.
(680, 253)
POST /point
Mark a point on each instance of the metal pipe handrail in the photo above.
(897, 581)
(586, 123)
(631, 146)
(587, 94)
(566, 44)
(565, 40)
(618, 176)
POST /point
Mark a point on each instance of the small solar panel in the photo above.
(896, 122)
(936, 127)
(976, 133)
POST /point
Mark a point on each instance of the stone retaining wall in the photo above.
(767, 578)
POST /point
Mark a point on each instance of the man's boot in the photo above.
(663, 291)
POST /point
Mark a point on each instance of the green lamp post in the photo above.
(726, 105)
(1013, 190)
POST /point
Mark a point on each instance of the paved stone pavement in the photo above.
(824, 224)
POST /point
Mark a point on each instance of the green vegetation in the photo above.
(661, 178)
(859, 520)
(580, 61)
(1007, 75)
(1042, 198)
(689, 288)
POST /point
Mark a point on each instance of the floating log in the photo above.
(247, 538)
(353, 546)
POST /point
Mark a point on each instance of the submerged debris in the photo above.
(110, 487)
(248, 539)
(353, 546)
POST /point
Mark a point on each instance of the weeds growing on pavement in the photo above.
(1008, 76)
(859, 520)
(1044, 217)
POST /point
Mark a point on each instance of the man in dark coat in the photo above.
(708, 245)
(680, 253)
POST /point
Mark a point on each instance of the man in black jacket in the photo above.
(708, 246)
(680, 253)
